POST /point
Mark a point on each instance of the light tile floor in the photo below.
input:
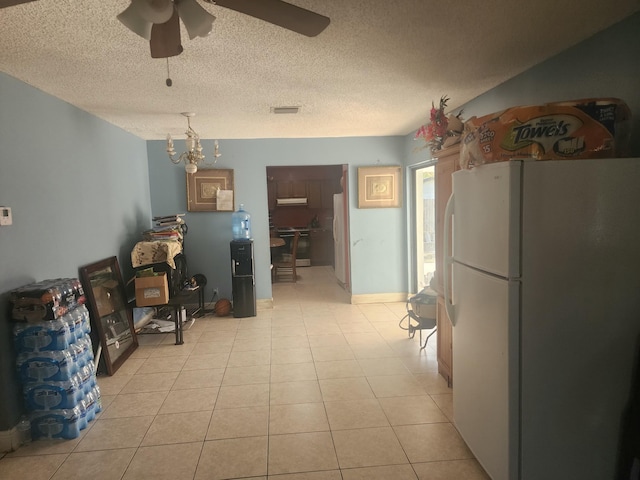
(315, 389)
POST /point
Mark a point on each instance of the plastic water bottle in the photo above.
(97, 398)
(241, 224)
(24, 430)
(84, 320)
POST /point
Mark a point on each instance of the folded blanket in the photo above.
(146, 253)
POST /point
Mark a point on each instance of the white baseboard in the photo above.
(9, 440)
(378, 298)
(267, 303)
(264, 304)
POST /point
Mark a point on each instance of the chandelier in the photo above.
(193, 156)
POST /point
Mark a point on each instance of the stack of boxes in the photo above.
(55, 357)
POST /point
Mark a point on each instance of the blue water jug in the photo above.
(241, 224)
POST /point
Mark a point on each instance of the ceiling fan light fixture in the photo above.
(196, 19)
(131, 18)
(199, 22)
(165, 38)
(154, 11)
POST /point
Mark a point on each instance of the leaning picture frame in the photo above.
(379, 187)
(210, 190)
(112, 331)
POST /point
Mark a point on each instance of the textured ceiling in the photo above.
(374, 71)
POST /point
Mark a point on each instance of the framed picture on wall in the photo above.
(379, 187)
(210, 190)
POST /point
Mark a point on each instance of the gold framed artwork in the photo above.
(210, 190)
(379, 187)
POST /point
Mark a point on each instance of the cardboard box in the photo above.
(152, 290)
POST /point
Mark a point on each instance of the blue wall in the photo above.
(605, 65)
(378, 250)
(78, 187)
(79, 192)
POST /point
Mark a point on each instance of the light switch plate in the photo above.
(5, 216)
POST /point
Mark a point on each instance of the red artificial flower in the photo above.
(435, 132)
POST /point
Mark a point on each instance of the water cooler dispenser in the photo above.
(243, 279)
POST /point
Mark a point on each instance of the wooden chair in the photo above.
(285, 265)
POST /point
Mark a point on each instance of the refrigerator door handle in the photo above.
(333, 228)
(448, 261)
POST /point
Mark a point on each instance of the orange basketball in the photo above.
(222, 308)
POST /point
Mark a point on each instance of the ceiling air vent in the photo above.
(281, 110)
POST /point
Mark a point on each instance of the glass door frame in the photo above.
(412, 221)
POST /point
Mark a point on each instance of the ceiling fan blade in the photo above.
(279, 13)
(11, 3)
(165, 38)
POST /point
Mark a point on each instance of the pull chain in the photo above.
(169, 82)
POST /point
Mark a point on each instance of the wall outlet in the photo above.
(215, 292)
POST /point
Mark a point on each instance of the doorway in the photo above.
(312, 200)
(425, 226)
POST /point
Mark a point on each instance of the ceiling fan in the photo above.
(159, 20)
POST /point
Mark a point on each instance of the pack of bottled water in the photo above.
(56, 366)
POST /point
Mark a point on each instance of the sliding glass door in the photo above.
(424, 225)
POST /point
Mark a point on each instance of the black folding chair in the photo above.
(421, 315)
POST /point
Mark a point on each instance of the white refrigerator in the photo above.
(545, 308)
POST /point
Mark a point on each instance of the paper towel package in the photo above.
(578, 129)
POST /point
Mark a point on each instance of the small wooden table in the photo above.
(276, 242)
